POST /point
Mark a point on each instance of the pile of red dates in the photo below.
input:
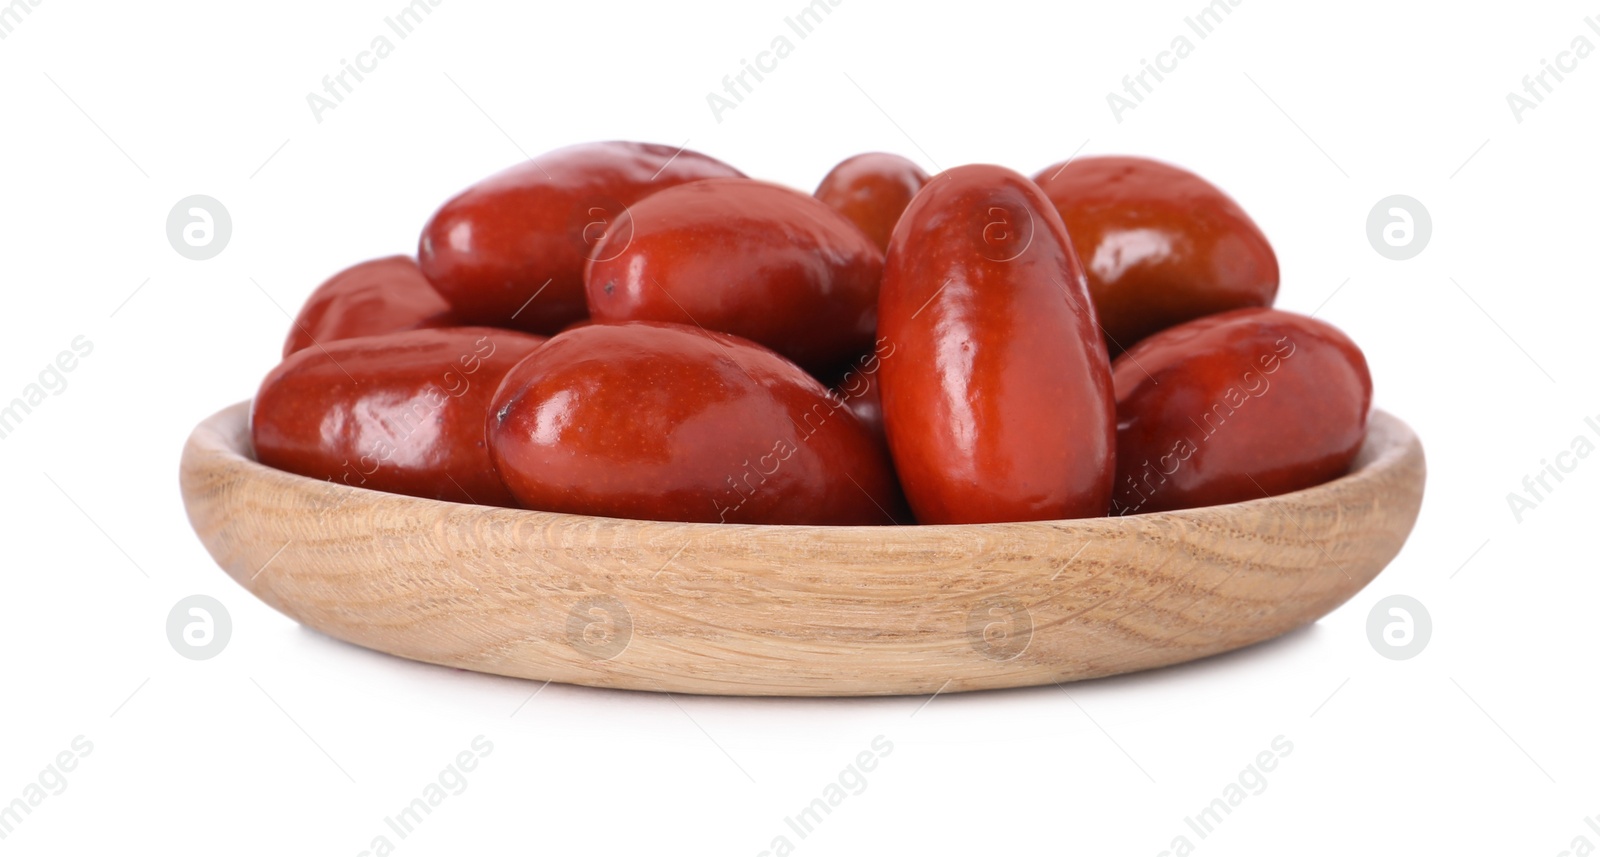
(634, 331)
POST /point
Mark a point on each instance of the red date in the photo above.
(997, 398)
(668, 422)
(403, 412)
(510, 250)
(872, 191)
(748, 258)
(1234, 407)
(1161, 244)
(381, 296)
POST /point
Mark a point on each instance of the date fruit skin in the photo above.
(872, 190)
(745, 257)
(997, 397)
(379, 296)
(1234, 407)
(401, 412)
(1160, 244)
(666, 422)
(510, 250)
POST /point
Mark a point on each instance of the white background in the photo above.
(289, 742)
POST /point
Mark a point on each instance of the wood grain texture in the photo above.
(803, 611)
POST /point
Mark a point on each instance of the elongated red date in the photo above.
(510, 250)
(997, 398)
(1234, 407)
(402, 412)
(745, 257)
(381, 296)
(667, 422)
(872, 190)
(1161, 244)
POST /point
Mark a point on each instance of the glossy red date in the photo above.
(402, 412)
(872, 190)
(381, 296)
(749, 258)
(510, 250)
(997, 398)
(667, 422)
(1161, 245)
(1234, 407)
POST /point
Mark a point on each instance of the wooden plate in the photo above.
(794, 611)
